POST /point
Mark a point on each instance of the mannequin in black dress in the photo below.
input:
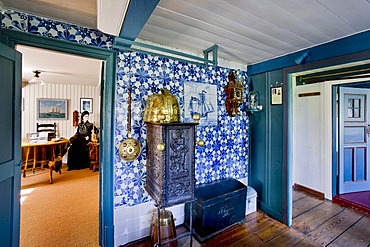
(78, 153)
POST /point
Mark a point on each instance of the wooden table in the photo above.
(44, 155)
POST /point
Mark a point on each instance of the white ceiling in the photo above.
(59, 68)
(79, 12)
(246, 31)
(255, 30)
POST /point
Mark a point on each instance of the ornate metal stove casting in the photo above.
(170, 172)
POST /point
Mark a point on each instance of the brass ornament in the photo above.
(162, 108)
(196, 117)
(200, 143)
(161, 146)
(129, 149)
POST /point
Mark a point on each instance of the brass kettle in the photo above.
(162, 108)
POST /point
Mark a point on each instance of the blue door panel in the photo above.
(360, 164)
(348, 165)
(354, 134)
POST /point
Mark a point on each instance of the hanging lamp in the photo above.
(36, 78)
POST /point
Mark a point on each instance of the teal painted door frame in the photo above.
(269, 171)
(106, 191)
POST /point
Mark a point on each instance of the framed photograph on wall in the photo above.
(86, 104)
(276, 95)
(52, 109)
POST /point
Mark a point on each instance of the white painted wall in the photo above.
(308, 129)
(72, 93)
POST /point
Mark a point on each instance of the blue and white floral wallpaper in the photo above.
(54, 29)
(225, 153)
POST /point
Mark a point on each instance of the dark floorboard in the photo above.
(316, 222)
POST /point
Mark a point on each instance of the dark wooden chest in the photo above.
(218, 206)
(170, 150)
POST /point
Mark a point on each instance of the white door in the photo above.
(354, 127)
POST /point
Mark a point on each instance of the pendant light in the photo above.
(36, 78)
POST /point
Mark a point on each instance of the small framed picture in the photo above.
(86, 104)
(276, 95)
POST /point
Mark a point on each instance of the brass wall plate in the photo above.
(129, 149)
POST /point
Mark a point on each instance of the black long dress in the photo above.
(78, 153)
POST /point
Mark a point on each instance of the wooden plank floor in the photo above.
(316, 222)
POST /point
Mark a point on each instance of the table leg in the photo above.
(26, 161)
(34, 159)
(51, 172)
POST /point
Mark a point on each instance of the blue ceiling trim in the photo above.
(125, 44)
(340, 47)
(137, 15)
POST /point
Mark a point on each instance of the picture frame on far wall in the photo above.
(52, 109)
(86, 104)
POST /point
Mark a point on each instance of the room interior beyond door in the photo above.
(354, 131)
(70, 77)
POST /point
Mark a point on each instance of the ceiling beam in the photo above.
(137, 15)
(110, 15)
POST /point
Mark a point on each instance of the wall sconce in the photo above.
(253, 102)
(234, 94)
(303, 58)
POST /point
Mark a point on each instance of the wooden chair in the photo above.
(41, 156)
(50, 128)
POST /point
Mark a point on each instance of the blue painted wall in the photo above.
(225, 153)
(270, 129)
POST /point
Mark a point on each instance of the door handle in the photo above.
(367, 129)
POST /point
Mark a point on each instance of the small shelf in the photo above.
(252, 110)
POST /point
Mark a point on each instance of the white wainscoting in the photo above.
(72, 93)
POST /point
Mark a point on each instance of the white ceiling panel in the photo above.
(246, 31)
(354, 13)
(80, 12)
(265, 28)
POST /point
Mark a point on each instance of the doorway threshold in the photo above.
(356, 200)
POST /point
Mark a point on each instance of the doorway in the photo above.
(315, 137)
(106, 194)
(353, 182)
(73, 198)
